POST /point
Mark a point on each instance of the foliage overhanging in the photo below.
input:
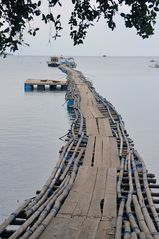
(16, 16)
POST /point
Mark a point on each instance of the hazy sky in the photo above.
(100, 40)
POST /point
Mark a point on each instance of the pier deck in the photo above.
(31, 84)
(100, 187)
(90, 210)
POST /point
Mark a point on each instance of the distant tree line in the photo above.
(16, 16)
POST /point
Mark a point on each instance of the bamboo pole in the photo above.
(127, 230)
(13, 215)
(142, 235)
(71, 159)
(147, 190)
(48, 187)
(48, 182)
(120, 177)
(129, 199)
(57, 204)
(50, 204)
(146, 215)
(31, 219)
(140, 219)
(133, 235)
(119, 220)
(45, 210)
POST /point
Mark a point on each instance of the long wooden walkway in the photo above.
(100, 187)
(90, 210)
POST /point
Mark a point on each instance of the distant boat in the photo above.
(155, 65)
(57, 61)
(104, 56)
(54, 61)
(68, 61)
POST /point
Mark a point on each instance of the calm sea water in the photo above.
(31, 124)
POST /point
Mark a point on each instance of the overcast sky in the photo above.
(100, 40)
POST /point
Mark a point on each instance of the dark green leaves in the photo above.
(17, 15)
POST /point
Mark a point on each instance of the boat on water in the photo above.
(56, 61)
(68, 61)
(156, 65)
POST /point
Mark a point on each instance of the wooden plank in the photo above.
(95, 111)
(91, 126)
(98, 155)
(56, 228)
(110, 199)
(105, 230)
(111, 180)
(84, 100)
(114, 156)
(104, 127)
(86, 193)
(98, 194)
(101, 231)
(73, 197)
(89, 229)
(89, 151)
(73, 227)
(106, 151)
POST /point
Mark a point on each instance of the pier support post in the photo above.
(28, 87)
(52, 87)
(63, 87)
(70, 103)
(40, 87)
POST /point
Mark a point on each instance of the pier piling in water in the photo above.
(41, 85)
(28, 87)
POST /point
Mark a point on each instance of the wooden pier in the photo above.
(100, 187)
(41, 85)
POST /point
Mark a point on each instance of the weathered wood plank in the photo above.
(104, 127)
(56, 228)
(89, 229)
(91, 126)
(95, 111)
(89, 151)
(106, 151)
(86, 193)
(73, 228)
(63, 227)
(105, 230)
(98, 155)
(110, 199)
(114, 157)
(95, 209)
(73, 197)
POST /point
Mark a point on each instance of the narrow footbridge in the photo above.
(100, 187)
